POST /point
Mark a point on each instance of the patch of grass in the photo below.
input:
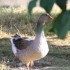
(5, 49)
(20, 22)
(58, 56)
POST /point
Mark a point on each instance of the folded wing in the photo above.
(22, 43)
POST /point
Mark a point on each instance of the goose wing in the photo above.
(23, 43)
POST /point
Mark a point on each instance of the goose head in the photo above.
(44, 18)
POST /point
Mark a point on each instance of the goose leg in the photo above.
(31, 63)
(28, 65)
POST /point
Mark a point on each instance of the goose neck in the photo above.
(40, 28)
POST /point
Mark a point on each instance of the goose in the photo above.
(28, 51)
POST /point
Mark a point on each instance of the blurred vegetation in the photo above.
(12, 22)
(61, 23)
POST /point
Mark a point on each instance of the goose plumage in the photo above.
(30, 50)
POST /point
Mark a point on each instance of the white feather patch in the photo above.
(14, 49)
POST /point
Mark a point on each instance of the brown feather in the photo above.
(21, 44)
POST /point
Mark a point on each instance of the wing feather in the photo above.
(23, 43)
